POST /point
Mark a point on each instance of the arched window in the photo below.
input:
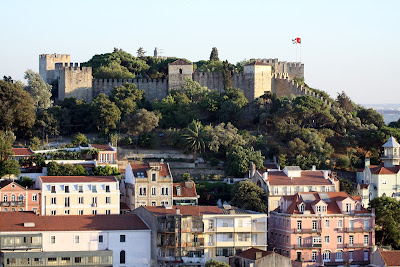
(326, 255)
(5, 209)
(12, 197)
(5, 198)
(12, 209)
(20, 209)
(20, 197)
(122, 257)
(180, 71)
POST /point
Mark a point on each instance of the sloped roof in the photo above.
(184, 210)
(14, 221)
(22, 152)
(144, 167)
(103, 147)
(251, 253)
(391, 143)
(391, 257)
(4, 183)
(307, 178)
(180, 62)
(384, 170)
(185, 191)
(78, 179)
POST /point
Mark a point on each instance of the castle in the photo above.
(258, 77)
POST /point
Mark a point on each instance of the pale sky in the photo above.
(350, 46)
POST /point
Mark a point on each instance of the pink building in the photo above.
(107, 154)
(330, 228)
(14, 197)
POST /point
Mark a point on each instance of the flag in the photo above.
(296, 40)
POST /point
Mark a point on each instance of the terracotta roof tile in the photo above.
(4, 183)
(103, 147)
(185, 191)
(184, 210)
(180, 62)
(391, 257)
(307, 178)
(22, 152)
(78, 179)
(144, 167)
(251, 253)
(14, 221)
(385, 170)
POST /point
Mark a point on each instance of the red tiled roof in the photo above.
(384, 170)
(78, 179)
(22, 152)
(185, 191)
(391, 257)
(102, 147)
(180, 62)
(4, 183)
(307, 178)
(14, 221)
(184, 210)
(251, 253)
(144, 167)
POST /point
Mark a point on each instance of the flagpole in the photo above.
(300, 51)
(296, 51)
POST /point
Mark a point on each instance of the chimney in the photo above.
(232, 211)
(326, 175)
(367, 162)
(265, 175)
(177, 211)
(189, 184)
(258, 255)
(314, 168)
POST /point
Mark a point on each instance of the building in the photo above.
(107, 154)
(385, 258)
(147, 184)
(383, 179)
(192, 235)
(79, 195)
(27, 239)
(22, 153)
(292, 180)
(14, 197)
(184, 193)
(254, 257)
(329, 228)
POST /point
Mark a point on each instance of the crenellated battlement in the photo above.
(71, 66)
(293, 69)
(55, 56)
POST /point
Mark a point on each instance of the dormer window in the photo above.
(348, 208)
(302, 207)
(178, 191)
(153, 177)
(358, 207)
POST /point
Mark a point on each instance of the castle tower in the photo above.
(74, 81)
(391, 153)
(47, 64)
(178, 71)
(258, 79)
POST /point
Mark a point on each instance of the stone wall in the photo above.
(293, 69)
(177, 75)
(75, 81)
(47, 65)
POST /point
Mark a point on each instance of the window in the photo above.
(318, 208)
(53, 189)
(153, 203)
(287, 239)
(316, 240)
(298, 256)
(351, 240)
(298, 225)
(94, 189)
(108, 200)
(314, 256)
(53, 212)
(80, 200)
(366, 225)
(53, 201)
(34, 210)
(299, 241)
(365, 255)
(351, 225)
(66, 202)
(339, 255)
(80, 189)
(210, 225)
(52, 239)
(348, 208)
(314, 225)
(366, 240)
(153, 177)
(302, 206)
(100, 238)
(94, 200)
(66, 212)
(20, 197)
(351, 255)
(339, 239)
(227, 252)
(66, 189)
(358, 207)
(153, 191)
(164, 203)
(326, 255)
(339, 223)
(384, 181)
(327, 239)
(142, 191)
(34, 197)
(326, 223)
(78, 259)
(108, 212)
(107, 189)
(80, 212)
(94, 212)
(76, 239)
(122, 238)
(276, 190)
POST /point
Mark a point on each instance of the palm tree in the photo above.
(194, 138)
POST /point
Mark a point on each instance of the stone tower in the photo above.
(47, 63)
(74, 81)
(178, 71)
(258, 79)
(391, 153)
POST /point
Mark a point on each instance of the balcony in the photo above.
(12, 203)
(28, 241)
(359, 229)
(307, 246)
(307, 231)
(358, 245)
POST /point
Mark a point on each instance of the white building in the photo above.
(381, 180)
(79, 195)
(94, 240)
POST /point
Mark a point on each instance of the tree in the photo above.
(233, 100)
(142, 121)
(249, 196)
(126, 97)
(8, 79)
(214, 263)
(342, 162)
(38, 89)
(238, 160)
(25, 181)
(79, 139)
(105, 171)
(6, 141)
(55, 169)
(370, 116)
(16, 109)
(387, 220)
(113, 71)
(46, 123)
(345, 102)
(9, 167)
(141, 52)
(34, 143)
(106, 114)
(214, 54)
(346, 185)
(227, 76)
(194, 138)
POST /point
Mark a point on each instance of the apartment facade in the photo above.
(184, 193)
(27, 239)
(292, 180)
(192, 235)
(14, 197)
(107, 155)
(329, 228)
(79, 195)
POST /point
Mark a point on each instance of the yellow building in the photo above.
(79, 195)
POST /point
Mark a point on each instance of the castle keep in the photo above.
(258, 77)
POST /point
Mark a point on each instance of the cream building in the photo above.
(79, 195)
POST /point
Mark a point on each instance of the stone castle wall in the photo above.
(47, 65)
(293, 69)
(75, 81)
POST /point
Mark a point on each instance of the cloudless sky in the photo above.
(350, 46)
